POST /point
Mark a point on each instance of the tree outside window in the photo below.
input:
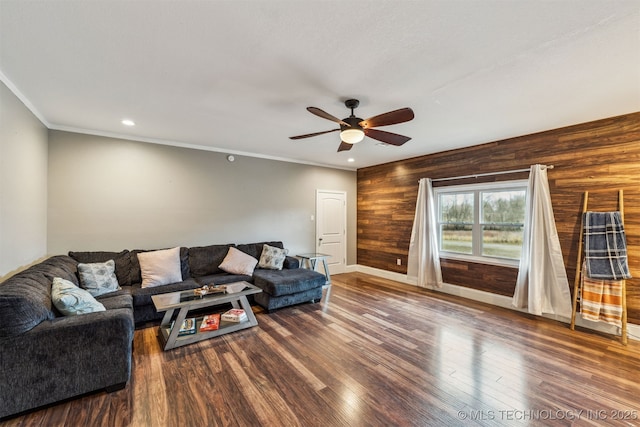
(482, 220)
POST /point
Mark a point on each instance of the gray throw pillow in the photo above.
(98, 278)
(272, 257)
(71, 300)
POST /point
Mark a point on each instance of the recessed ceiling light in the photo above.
(128, 122)
(351, 160)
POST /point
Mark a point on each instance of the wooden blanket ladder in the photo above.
(577, 282)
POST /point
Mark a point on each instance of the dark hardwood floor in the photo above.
(379, 353)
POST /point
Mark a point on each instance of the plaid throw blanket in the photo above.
(605, 246)
(601, 300)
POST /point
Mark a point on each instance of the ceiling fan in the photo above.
(353, 129)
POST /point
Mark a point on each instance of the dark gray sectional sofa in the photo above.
(200, 266)
(46, 357)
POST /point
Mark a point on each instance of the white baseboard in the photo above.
(633, 330)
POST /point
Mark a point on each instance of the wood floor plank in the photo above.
(311, 379)
(377, 353)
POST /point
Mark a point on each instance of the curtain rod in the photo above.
(486, 174)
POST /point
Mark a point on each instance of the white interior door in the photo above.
(331, 228)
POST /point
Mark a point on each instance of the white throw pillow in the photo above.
(237, 262)
(160, 267)
(70, 300)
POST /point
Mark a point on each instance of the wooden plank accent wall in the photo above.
(600, 157)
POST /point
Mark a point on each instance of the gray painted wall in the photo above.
(112, 194)
(23, 185)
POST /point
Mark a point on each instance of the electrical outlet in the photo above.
(399, 261)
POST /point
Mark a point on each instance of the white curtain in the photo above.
(424, 258)
(542, 285)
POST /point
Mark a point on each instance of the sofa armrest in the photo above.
(65, 357)
(291, 263)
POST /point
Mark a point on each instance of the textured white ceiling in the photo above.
(236, 76)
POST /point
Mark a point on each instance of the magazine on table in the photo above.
(234, 315)
(210, 322)
(188, 327)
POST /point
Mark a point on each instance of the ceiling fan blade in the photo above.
(344, 146)
(388, 137)
(391, 118)
(318, 112)
(309, 135)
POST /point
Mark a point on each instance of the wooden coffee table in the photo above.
(187, 301)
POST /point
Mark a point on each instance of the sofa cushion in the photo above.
(270, 302)
(285, 282)
(135, 277)
(71, 300)
(291, 262)
(184, 263)
(98, 278)
(58, 266)
(255, 249)
(160, 267)
(222, 279)
(272, 258)
(142, 296)
(115, 300)
(205, 260)
(25, 302)
(122, 261)
(237, 262)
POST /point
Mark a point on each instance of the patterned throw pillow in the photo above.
(237, 262)
(71, 300)
(160, 267)
(272, 257)
(98, 278)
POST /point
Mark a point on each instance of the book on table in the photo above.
(188, 327)
(210, 322)
(234, 315)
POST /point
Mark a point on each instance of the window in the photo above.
(481, 222)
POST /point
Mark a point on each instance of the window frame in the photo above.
(477, 189)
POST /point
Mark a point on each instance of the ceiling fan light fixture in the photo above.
(352, 136)
(353, 129)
